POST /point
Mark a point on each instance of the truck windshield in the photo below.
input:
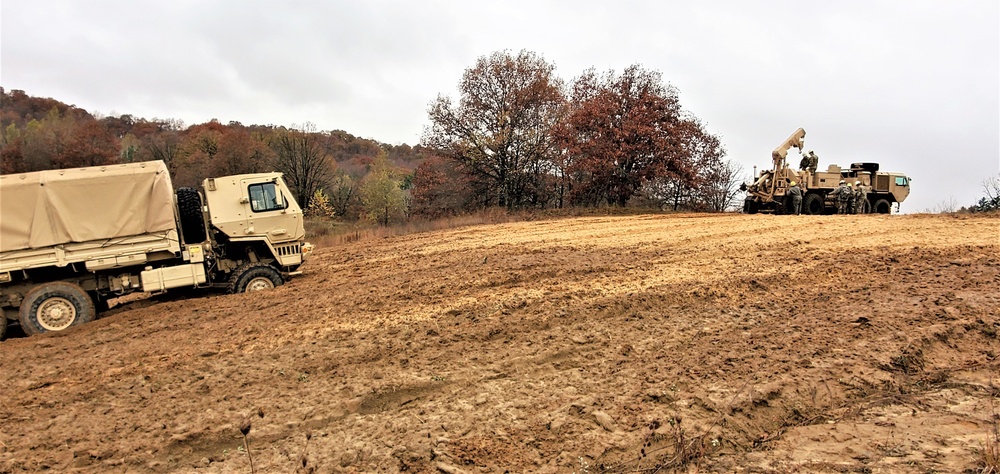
(900, 181)
(264, 197)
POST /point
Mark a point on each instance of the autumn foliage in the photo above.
(528, 140)
(517, 137)
(39, 134)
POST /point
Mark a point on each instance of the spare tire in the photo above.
(192, 221)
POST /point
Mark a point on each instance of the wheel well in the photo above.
(237, 254)
(876, 197)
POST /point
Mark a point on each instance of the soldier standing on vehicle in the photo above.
(813, 162)
(795, 194)
(860, 198)
(843, 194)
(808, 167)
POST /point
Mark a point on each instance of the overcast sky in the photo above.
(911, 84)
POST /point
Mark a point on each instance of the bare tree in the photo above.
(991, 200)
(305, 163)
(948, 206)
(722, 185)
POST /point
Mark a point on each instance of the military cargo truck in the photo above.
(72, 239)
(767, 192)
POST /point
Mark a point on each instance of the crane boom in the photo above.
(796, 140)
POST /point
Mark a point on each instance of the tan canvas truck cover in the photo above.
(48, 208)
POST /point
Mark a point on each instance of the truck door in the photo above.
(265, 206)
(900, 187)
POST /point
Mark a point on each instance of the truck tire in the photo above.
(192, 222)
(55, 306)
(813, 204)
(784, 206)
(3, 324)
(882, 206)
(254, 277)
(750, 206)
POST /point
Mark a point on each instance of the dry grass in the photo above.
(326, 232)
(991, 451)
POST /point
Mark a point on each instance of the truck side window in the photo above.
(900, 181)
(264, 197)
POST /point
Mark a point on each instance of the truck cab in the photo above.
(257, 209)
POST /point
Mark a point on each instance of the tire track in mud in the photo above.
(541, 346)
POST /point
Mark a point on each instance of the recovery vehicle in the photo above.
(766, 194)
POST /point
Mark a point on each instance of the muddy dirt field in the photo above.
(680, 343)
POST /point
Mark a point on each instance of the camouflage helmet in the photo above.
(842, 181)
(848, 184)
(857, 183)
(792, 183)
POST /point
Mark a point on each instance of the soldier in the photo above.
(850, 199)
(843, 193)
(808, 167)
(795, 194)
(813, 162)
(860, 198)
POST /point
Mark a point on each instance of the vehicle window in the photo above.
(900, 181)
(264, 197)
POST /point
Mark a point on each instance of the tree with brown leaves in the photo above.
(500, 128)
(622, 131)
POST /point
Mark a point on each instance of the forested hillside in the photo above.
(45, 133)
(518, 136)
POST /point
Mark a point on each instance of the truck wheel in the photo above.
(3, 324)
(882, 206)
(254, 277)
(784, 206)
(55, 306)
(750, 206)
(192, 223)
(813, 204)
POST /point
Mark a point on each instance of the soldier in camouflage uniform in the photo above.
(860, 198)
(843, 194)
(813, 162)
(808, 166)
(850, 199)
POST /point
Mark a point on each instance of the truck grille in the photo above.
(288, 249)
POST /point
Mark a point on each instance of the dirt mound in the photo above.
(624, 344)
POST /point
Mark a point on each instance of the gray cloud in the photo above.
(913, 85)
